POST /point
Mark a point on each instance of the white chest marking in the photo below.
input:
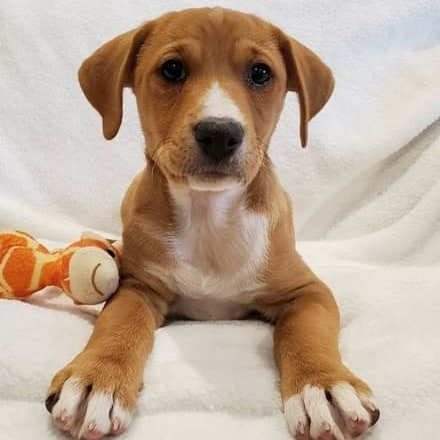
(219, 250)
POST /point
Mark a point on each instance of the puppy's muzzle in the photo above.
(218, 138)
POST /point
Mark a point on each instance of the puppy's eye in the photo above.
(173, 71)
(259, 74)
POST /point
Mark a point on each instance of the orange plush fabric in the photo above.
(26, 266)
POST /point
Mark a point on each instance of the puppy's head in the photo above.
(209, 85)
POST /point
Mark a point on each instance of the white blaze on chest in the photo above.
(219, 249)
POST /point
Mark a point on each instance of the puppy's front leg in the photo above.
(322, 399)
(96, 393)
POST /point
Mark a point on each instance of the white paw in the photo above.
(340, 415)
(89, 416)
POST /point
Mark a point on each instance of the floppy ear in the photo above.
(107, 71)
(309, 77)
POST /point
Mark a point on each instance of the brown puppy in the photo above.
(208, 229)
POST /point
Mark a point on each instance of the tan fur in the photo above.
(219, 46)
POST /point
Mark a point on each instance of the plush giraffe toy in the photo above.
(87, 270)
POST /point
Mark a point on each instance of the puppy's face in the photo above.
(209, 85)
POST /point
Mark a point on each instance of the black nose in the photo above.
(218, 138)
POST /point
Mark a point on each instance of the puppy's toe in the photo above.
(97, 421)
(66, 411)
(357, 414)
(120, 417)
(296, 418)
(322, 423)
(370, 405)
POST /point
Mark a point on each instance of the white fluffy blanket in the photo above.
(366, 191)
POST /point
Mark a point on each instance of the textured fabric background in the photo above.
(367, 212)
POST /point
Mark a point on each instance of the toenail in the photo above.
(375, 416)
(51, 401)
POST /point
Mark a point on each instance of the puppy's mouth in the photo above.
(210, 175)
(214, 173)
(213, 180)
(200, 178)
